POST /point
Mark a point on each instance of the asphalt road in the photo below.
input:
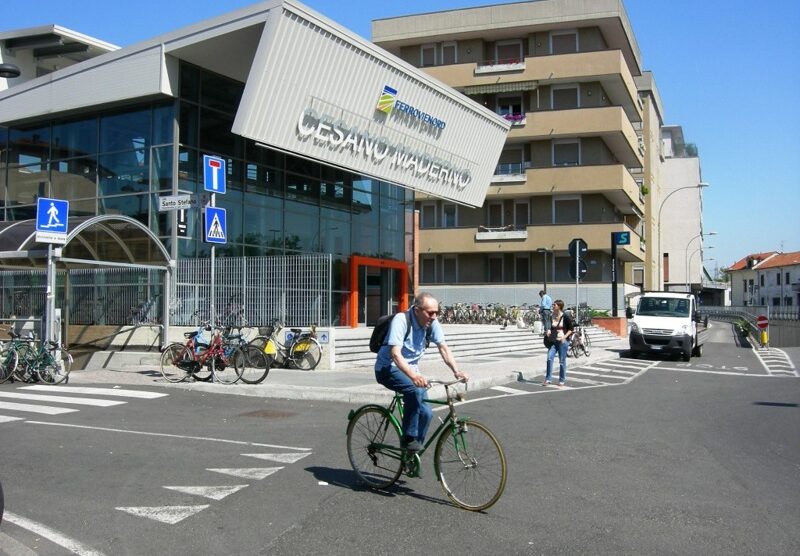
(639, 457)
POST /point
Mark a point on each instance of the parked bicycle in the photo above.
(200, 360)
(302, 351)
(468, 460)
(255, 366)
(580, 342)
(25, 361)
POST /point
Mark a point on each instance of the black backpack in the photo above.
(381, 330)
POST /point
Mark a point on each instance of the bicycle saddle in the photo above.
(188, 335)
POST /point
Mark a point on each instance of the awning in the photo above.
(107, 240)
(500, 88)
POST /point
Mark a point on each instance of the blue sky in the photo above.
(726, 73)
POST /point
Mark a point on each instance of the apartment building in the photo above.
(564, 75)
(771, 278)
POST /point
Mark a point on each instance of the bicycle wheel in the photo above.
(55, 371)
(586, 346)
(373, 446)
(470, 465)
(9, 358)
(175, 362)
(24, 372)
(256, 365)
(306, 353)
(202, 371)
(227, 370)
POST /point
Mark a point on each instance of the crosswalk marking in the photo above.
(507, 390)
(7, 419)
(115, 392)
(213, 492)
(61, 399)
(46, 409)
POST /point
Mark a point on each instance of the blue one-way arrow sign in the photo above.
(216, 227)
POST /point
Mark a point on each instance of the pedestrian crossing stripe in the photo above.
(114, 392)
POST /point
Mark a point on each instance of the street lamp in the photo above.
(689, 258)
(660, 208)
(544, 254)
(686, 251)
(9, 71)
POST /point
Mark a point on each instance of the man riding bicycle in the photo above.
(397, 365)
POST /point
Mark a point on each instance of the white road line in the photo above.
(285, 458)
(115, 392)
(8, 419)
(604, 370)
(51, 535)
(256, 473)
(61, 399)
(571, 372)
(507, 390)
(183, 437)
(213, 492)
(164, 514)
(45, 409)
(730, 373)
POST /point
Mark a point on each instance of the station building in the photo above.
(326, 139)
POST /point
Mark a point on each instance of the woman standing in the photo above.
(560, 334)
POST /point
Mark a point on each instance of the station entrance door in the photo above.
(378, 287)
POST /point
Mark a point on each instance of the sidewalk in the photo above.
(356, 385)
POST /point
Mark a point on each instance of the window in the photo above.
(761, 280)
(638, 277)
(495, 269)
(449, 53)
(787, 301)
(521, 214)
(428, 218)
(494, 215)
(566, 152)
(450, 269)
(509, 107)
(428, 270)
(563, 42)
(449, 215)
(508, 52)
(427, 55)
(567, 209)
(744, 283)
(522, 267)
(565, 98)
(787, 282)
(776, 301)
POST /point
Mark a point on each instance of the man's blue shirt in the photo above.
(547, 303)
(413, 346)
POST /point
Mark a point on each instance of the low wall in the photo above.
(617, 325)
(784, 333)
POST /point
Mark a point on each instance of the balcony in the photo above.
(608, 122)
(467, 240)
(499, 66)
(614, 181)
(500, 234)
(607, 67)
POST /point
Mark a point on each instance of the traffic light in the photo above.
(577, 252)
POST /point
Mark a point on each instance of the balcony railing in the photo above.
(488, 233)
(512, 168)
(500, 64)
(516, 118)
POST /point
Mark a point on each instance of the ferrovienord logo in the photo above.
(386, 101)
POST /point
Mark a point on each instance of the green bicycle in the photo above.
(49, 362)
(468, 460)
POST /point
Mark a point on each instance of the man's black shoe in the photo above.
(410, 444)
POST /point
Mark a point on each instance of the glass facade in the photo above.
(120, 161)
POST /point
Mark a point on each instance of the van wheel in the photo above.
(698, 351)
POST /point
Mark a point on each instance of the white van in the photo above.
(667, 322)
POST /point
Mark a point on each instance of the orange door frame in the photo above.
(357, 261)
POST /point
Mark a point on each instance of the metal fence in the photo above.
(295, 289)
(750, 312)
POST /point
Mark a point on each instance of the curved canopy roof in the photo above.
(107, 240)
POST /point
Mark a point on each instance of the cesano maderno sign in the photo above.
(317, 90)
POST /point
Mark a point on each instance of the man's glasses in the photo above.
(429, 313)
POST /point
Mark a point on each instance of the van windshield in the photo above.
(663, 307)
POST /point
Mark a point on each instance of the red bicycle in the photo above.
(202, 361)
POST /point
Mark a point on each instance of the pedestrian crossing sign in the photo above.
(216, 228)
